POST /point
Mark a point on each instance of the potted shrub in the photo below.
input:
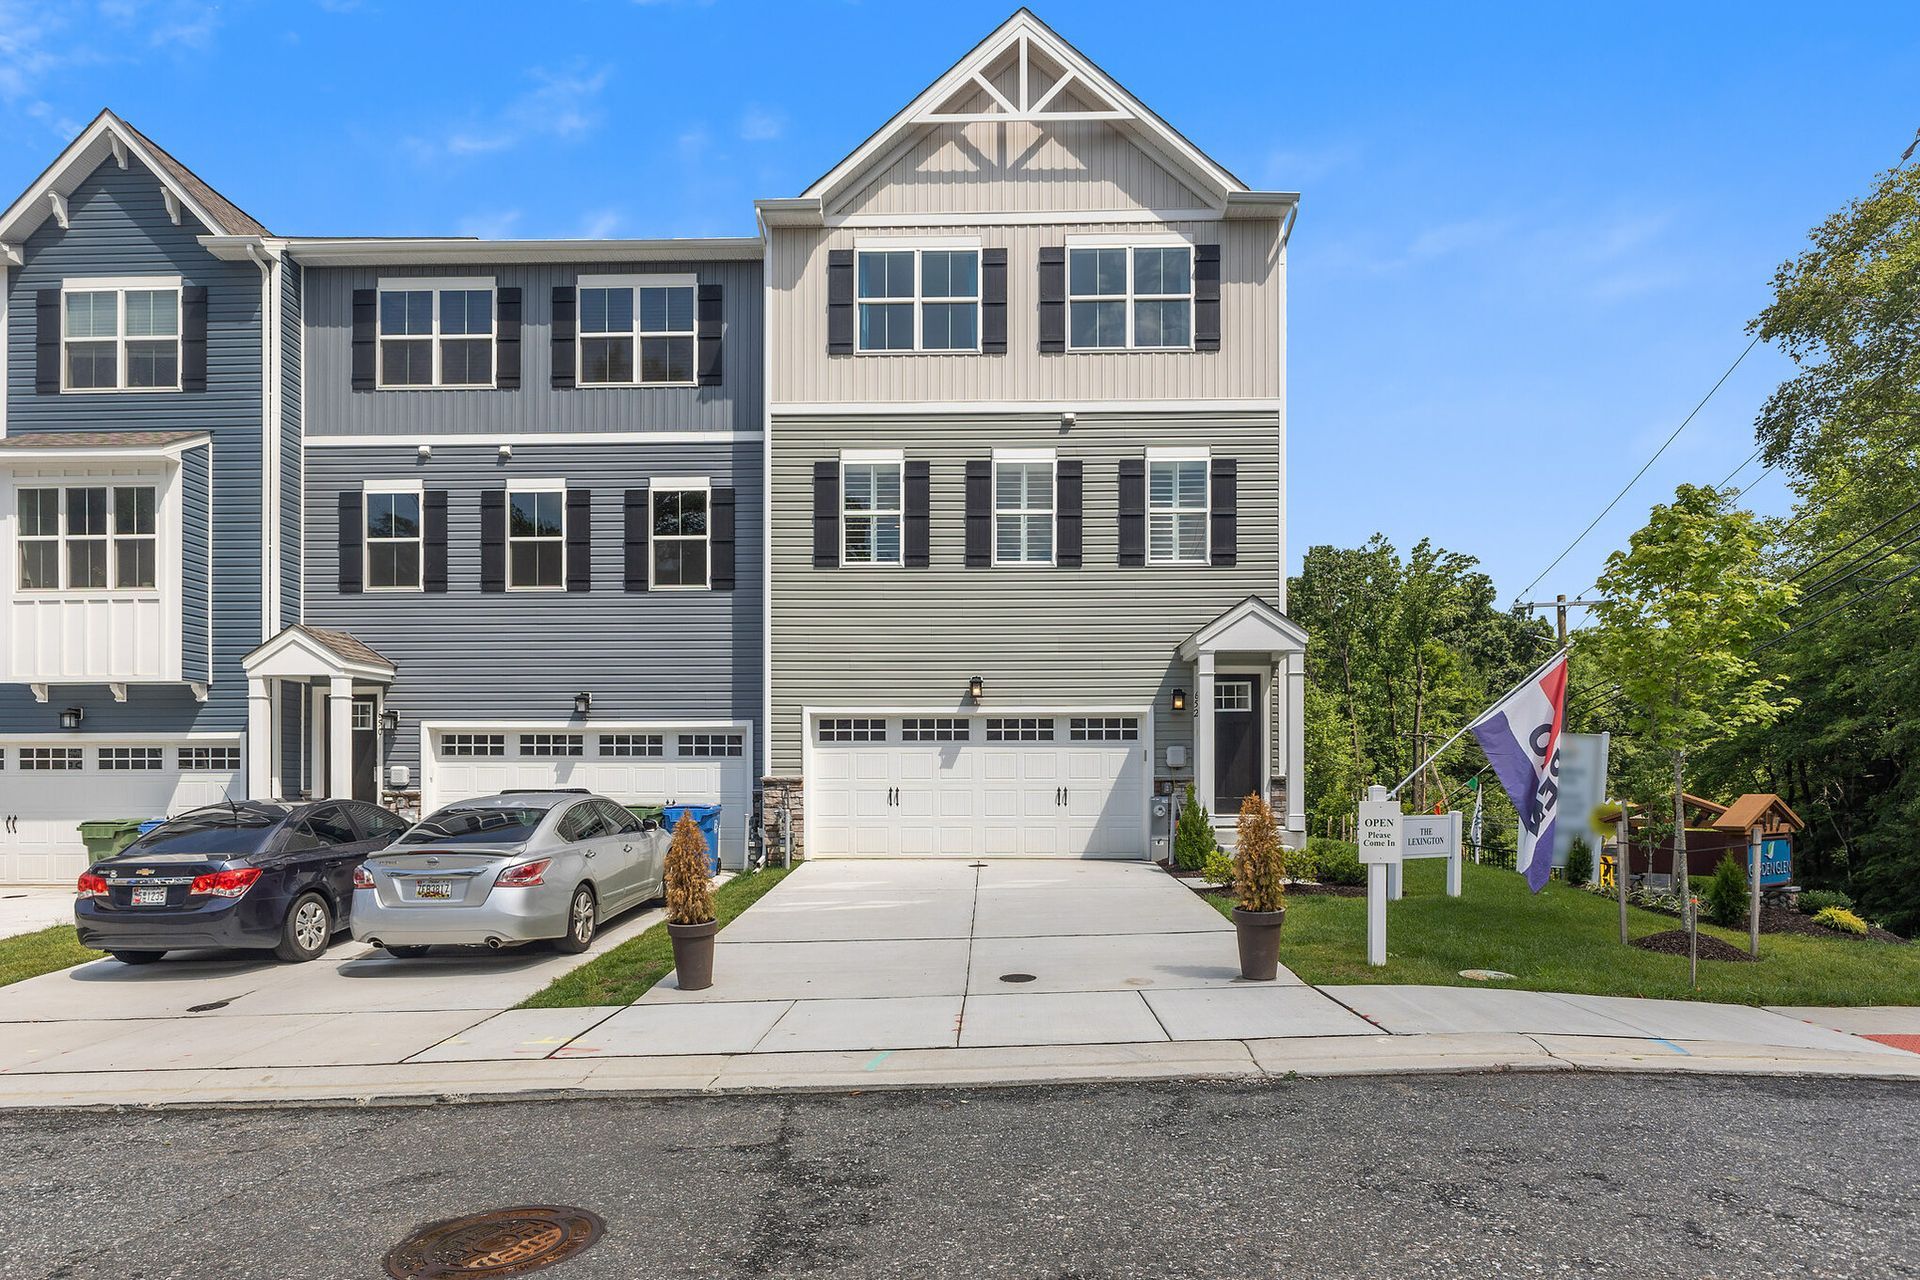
(690, 916)
(1259, 869)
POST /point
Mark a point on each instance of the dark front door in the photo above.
(366, 752)
(1236, 742)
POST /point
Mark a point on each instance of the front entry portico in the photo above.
(333, 685)
(1250, 676)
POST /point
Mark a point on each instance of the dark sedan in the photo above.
(261, 874)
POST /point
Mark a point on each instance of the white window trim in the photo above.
(689, 485)
(918, 245)
(437, 284)
(1182, 454)
(1129, 243)
(1027, 457)
(418, 490)
(537, 486)
(874, 457)
(680, 281)
(121, 286)
(162, 550)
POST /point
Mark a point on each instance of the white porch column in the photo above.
(340, 737)
(1296, 713)
(277, 752)
(260, 736)
(1203, 780)
(317, 740)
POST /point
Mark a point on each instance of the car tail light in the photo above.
(524, 876)
(226, 884)
(92, 886)
(362, 878)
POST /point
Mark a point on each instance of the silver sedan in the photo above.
(523, 866)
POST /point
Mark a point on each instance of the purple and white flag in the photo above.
(1521, 736)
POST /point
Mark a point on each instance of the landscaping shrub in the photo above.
(1192, 835)
(688, 875)
(1301, 863)
(1655, 900)
(1259, 859)
(1726, 896)
(1579, 862)
(1814, 901)
(1841, 920)
(1219, 869)
(1336, 861)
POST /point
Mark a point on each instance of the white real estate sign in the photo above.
(1432, 835)
(1583, 788)
(1380, 851)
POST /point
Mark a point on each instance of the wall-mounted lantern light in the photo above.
(976, 689)
(1179, 700)
(389, 720)
(582, 704)
(71, 718)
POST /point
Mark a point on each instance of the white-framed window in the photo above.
(1103, 728)
(130, 759)
(1023, 506)
(704, 745)
(854, 729)
(86, 537)
(678, 556)
(936, 729)
(436, 332)
(1233, 695)
(1019, 729)
(537, 535)
(632, 745)
(50, 759)
(209, 759)
(361, 716)
(392, 535)
(553, 746)
(1178, 497)
(120, 335)
(871, 486)
(1130, 296)
(637, 331)
(918, 297)
(472, 745)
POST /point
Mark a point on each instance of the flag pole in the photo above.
(1529, 679)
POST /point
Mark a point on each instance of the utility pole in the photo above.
(1559, 604)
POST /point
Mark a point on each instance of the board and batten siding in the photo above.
(1248, 365)
(522, 655)
(291, 406)
(334, 408)
(196, 567)
(1038, 636)
(120, 227)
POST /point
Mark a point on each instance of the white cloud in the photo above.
(761, 124)
(600, 224)
(560, 105)
(494, 225)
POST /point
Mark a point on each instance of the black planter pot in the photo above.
(1259, 936)
(693, 953)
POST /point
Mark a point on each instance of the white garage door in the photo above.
(634, 764)
(1066, 786)
(47, 790)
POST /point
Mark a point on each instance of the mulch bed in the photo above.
(1782, 920)
(1673, 942)
(1198, 882)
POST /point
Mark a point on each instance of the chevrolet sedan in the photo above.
(504, 870)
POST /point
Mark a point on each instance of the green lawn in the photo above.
(1568, 940)
(623, 974)
(31, 954)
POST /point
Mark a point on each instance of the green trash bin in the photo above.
(106, 838)
(644, 811)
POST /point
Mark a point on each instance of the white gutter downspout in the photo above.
(269, 265)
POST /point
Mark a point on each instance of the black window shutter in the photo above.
(563, 314)
(720, 539)
(1053, 298)
(709, 334)
(826, 515)
(638, 521)
(433, 541)
(993, 301)
(493, 540)
(1066, 536)
(979, 514)
(506, 342)
(350, 542)
(579, 540)
(1223, 514)
(193, 338)
(46, 342)
(366, 315)
(1206, 297)
(839, 303)
(1133, 511)
(919, 497)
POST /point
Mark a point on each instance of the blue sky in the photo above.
(1530, 234)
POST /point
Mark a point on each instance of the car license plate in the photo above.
(154, 897)
(433, 888)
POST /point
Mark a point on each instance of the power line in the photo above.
(1905, 538)
(1869, 593)
(1853, 542)
(1644, 467)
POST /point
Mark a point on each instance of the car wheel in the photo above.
(307, 930)
(405, 953)
(136, 957)
(583, 921)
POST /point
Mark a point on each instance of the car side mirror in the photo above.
(648, 824)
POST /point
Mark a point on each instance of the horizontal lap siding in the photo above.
(1037, 636)
(290, 445)
(335, 409)
(466, 655)
(120, 227)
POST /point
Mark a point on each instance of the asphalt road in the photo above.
(1436, 1176)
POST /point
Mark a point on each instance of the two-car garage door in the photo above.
(1066, 786)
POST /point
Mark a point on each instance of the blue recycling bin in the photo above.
(707, 818)
(151, 823)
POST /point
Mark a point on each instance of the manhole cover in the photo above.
(503, 1242)
(1485, 975)
(1016, 977)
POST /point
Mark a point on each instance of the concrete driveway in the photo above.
(31, 908)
